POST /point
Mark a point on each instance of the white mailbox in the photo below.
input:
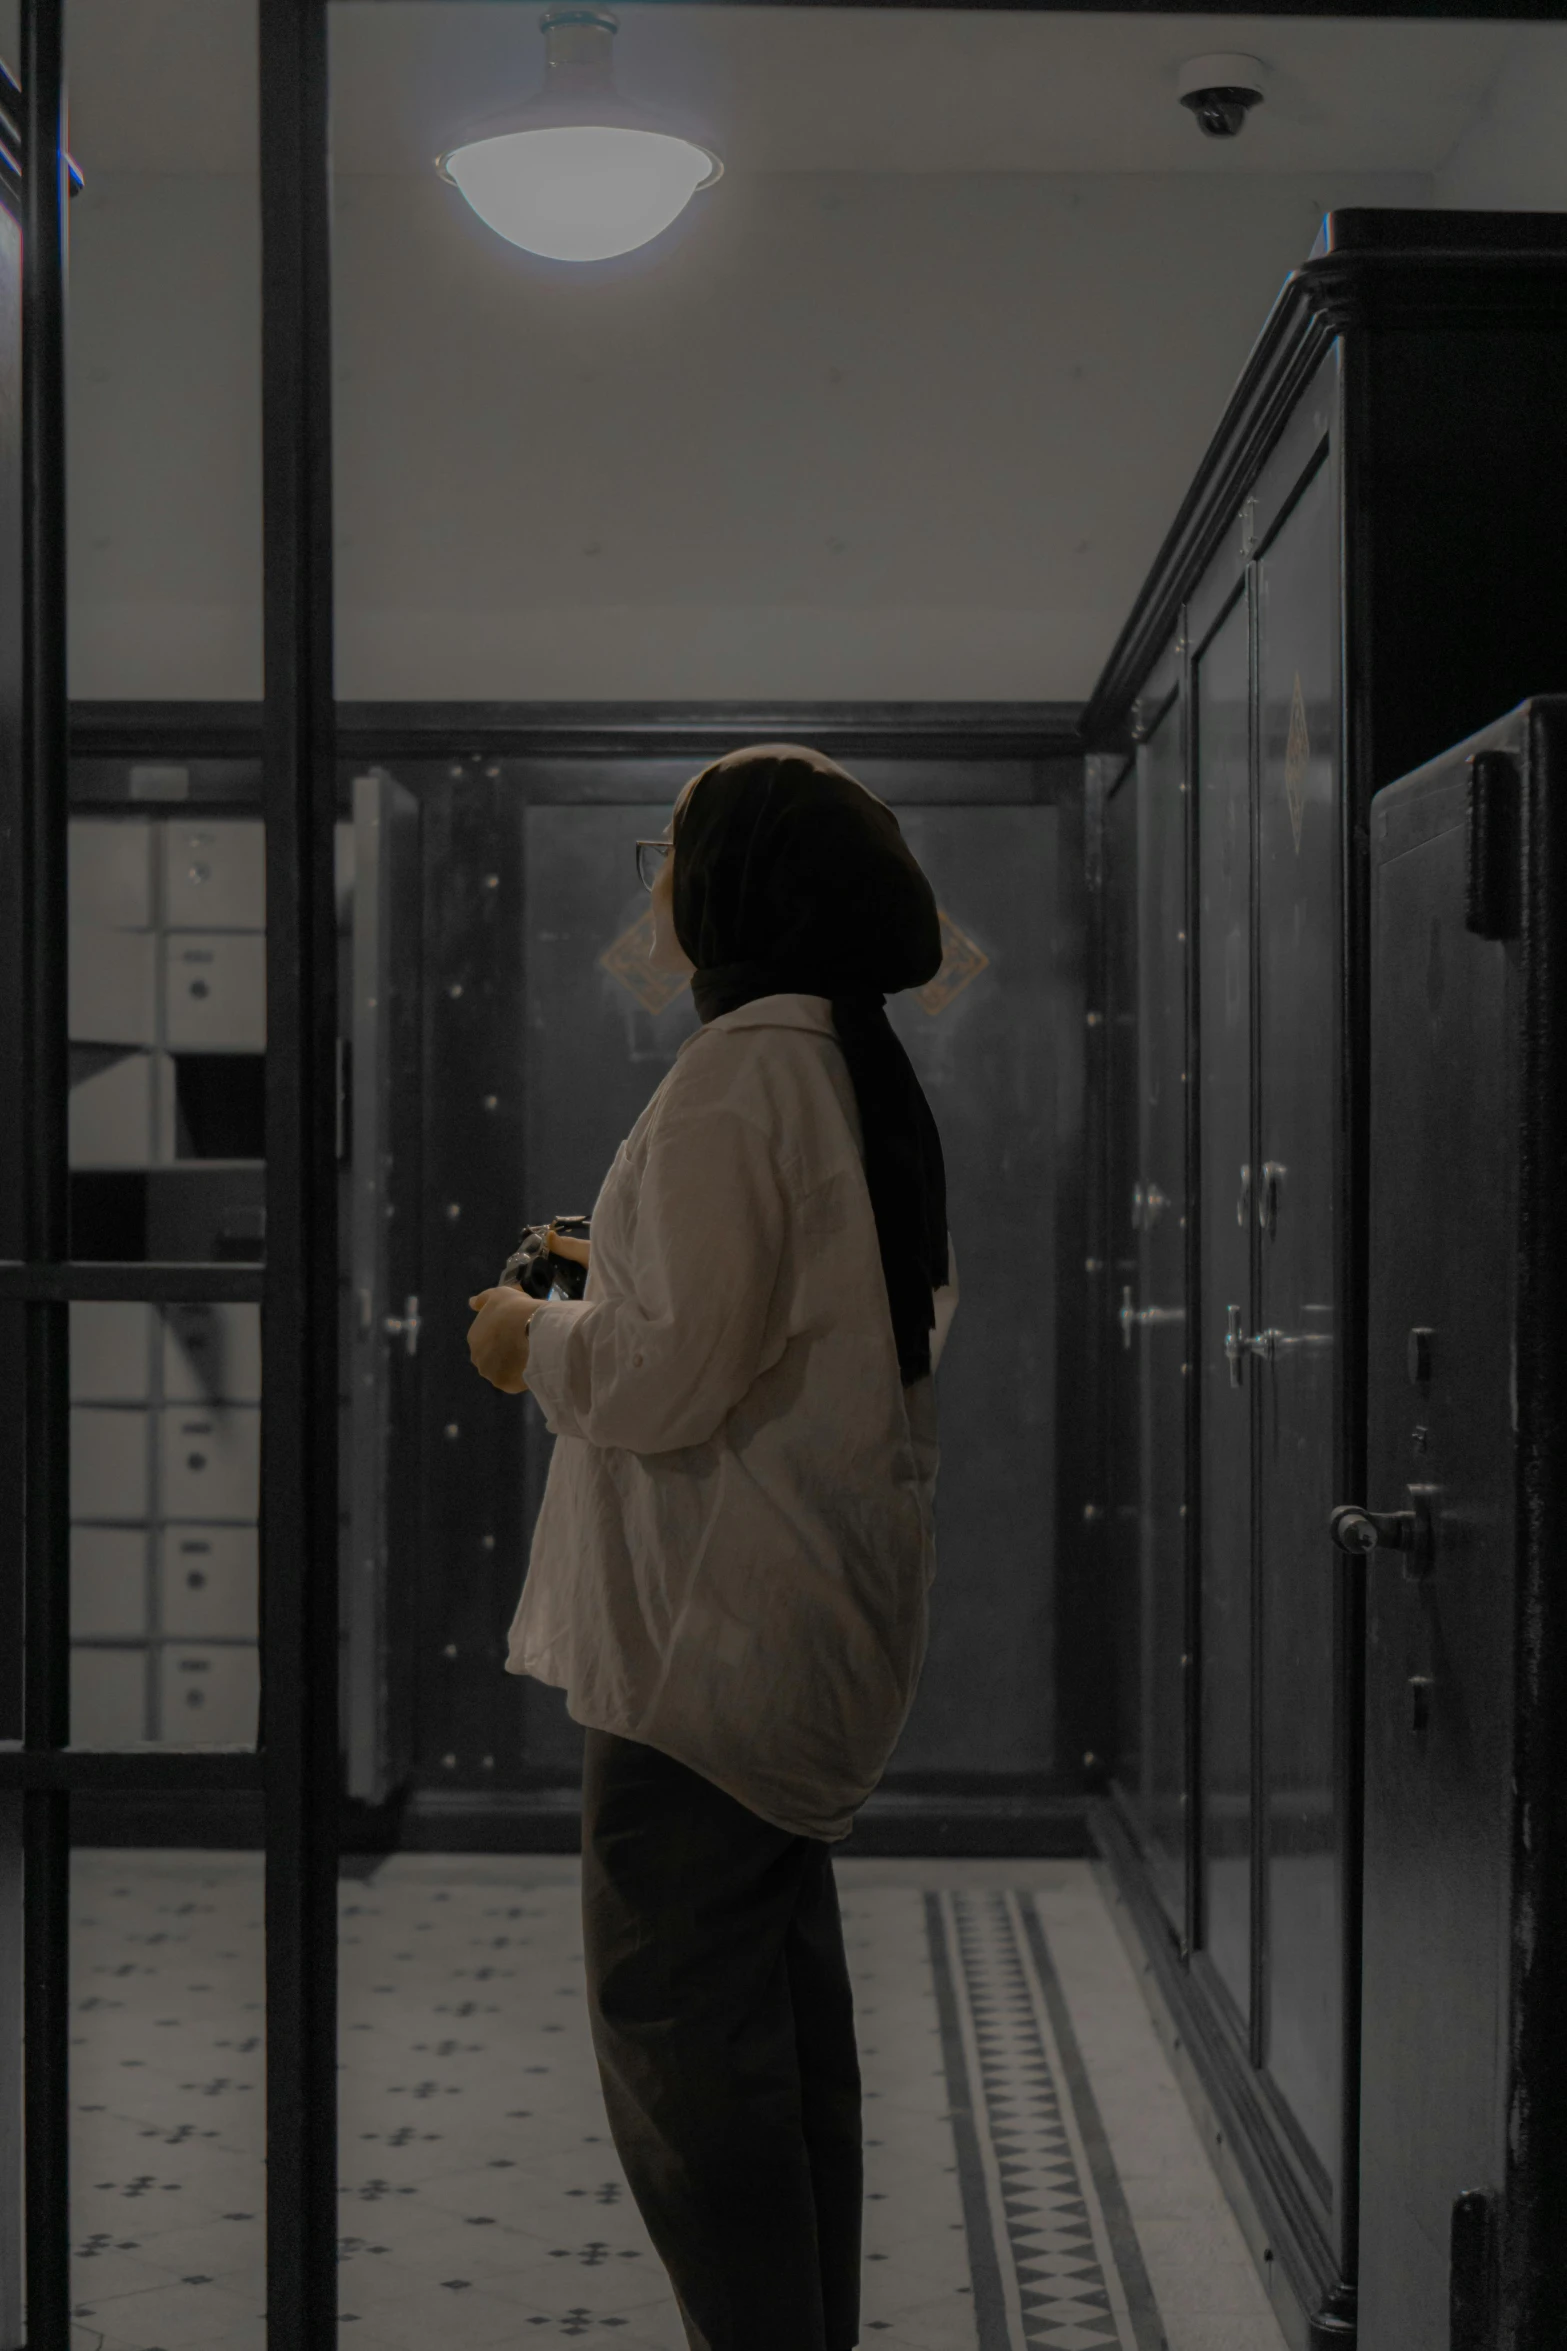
(108, 1697)
(110, 1349)
(212, 1354)
(112, 989)
(123, 1114)
(214, 874)
(215, 991)
(208, 1582)
(210, 1462)
(209, 1696)
(109, 871)
(108, 1463)
(109, 1584)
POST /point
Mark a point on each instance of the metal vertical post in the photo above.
(299, 1493)
(46, 1537)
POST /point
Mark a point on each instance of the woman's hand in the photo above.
(498, 1336)
(566, 1245)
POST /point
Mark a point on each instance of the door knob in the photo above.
(1360, 1531)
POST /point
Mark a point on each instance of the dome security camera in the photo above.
(1220, 90)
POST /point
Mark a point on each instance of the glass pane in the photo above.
(1224, 994)
(165, 1466)
(168, 2101)
(167, 1025)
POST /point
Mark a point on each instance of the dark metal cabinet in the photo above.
(1463, 2117)
(1362, 569)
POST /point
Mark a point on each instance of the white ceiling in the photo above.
(169, 85)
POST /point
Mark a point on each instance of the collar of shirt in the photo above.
(771, 1012)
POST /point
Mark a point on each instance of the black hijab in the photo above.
(791, 878)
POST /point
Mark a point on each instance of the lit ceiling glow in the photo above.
(575, 173)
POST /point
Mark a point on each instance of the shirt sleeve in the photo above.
(664, 1363)
(945, 1301)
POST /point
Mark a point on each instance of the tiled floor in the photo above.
(1032, 2174)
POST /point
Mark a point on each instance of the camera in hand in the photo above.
(533, 1265)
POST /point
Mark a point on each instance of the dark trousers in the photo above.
(723, 2023)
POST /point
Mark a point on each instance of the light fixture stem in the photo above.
(577, 51)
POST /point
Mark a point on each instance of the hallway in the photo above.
(1033, 2175)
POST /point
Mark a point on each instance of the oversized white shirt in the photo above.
(735, 1545)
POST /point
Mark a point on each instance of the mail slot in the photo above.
(215, 991)
(210, 1462)
(208, 1582)
(209, 1696)
(214, 875)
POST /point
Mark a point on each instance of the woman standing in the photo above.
(730, 1570)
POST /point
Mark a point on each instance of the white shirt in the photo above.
(735, 1545)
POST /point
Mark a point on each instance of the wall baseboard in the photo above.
(1314, 2308)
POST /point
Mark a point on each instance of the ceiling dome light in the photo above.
(575, 173)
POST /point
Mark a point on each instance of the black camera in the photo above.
(533, 1265)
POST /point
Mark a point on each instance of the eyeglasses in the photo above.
(649, 856)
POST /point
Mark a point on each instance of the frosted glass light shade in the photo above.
(579, 191)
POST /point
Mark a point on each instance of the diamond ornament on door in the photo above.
(961, 962)
(625, 959)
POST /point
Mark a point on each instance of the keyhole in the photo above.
(199, 988)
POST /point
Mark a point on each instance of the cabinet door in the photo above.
(1122, 1431)
(1222, 782)
(1295, 1187)
(1439, 1647)
(1159, 1207)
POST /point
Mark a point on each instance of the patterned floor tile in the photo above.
(482, 2200)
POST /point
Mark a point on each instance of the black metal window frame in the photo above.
(295, 1765)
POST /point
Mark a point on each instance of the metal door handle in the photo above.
(1146, 1316)
(1239, 1343)
(407, 1323)
(1268, 1199)
(1240, 1205)
(1360, 1531)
